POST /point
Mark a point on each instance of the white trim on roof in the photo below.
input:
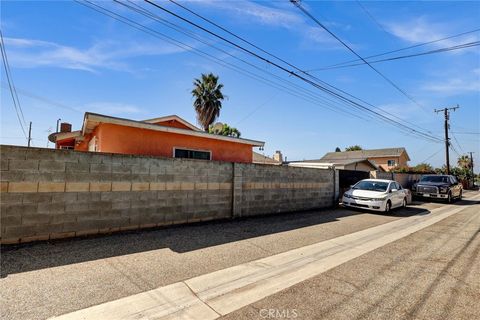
(92, 120)
(173, 117)
(57, 136)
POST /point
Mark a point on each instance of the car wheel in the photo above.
(449, 197)
(388, 206)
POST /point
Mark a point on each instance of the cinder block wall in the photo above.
(48, 194)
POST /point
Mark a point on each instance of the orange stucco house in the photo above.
(169, 136)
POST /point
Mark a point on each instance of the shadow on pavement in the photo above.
(463, 202)
(181, 238)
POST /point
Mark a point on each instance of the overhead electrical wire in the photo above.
(187, 47)
(431, 156)
(308, 14)
(201, 53)
(48, 101)
(459, 132)
(367, 12)
(169, 39)
(294, 74)
(458, 143)
(13, 92)
(457, 47)
(401, 49)
(311, 94)
(282, 60)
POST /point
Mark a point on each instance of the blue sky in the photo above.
(67, 59)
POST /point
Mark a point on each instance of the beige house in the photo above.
(259, 158)
(386, 159)
(346, 164)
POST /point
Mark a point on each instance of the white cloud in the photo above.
(255, 12)
(422, 29)
(454, 86)
(276, 14)
(31, 53)
(112, 108)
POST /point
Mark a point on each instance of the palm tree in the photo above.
(208, 99)
(464, 162)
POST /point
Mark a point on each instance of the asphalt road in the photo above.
(431, 274)
(47, 279)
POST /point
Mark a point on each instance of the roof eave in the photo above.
(143, 125)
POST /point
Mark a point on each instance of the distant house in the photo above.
(262, 159)
(386, 159)
(169, 136)
(345, 164)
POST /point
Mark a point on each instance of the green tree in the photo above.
(224, 130)
(354, 148)
(337, 149)
(208, 96)
(423, 168)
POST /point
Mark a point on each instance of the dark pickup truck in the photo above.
(436, 186)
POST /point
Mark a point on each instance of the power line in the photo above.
(431, 156)
(293, 73)
(199, 52)
(401, 49)
(458, 132)
(13, 92)
(49, 101)
(281, 60)
(312, 95)
(457, 47)
(257, 108)
(372, 17)
(458, 143)
(308, 14)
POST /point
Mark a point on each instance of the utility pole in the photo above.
(446, 112)
(29, 133)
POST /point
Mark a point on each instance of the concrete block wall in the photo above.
(270, 189)
(49, 194)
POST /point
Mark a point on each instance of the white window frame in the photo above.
(191, 149)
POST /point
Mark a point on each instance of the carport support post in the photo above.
(336, 186)
(237, 185)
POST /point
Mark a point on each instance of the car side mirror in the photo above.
(394, 190)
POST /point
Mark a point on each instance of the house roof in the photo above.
(53, 137)
(333, 163)
(260, 158)
(364, 154)
(173, 117)
(92, 120)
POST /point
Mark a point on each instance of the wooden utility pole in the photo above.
(29, 133)
(471, 165)
(446, 112)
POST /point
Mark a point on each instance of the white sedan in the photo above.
(376, 194)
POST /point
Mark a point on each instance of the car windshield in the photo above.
(443, 179)
(371, 185)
